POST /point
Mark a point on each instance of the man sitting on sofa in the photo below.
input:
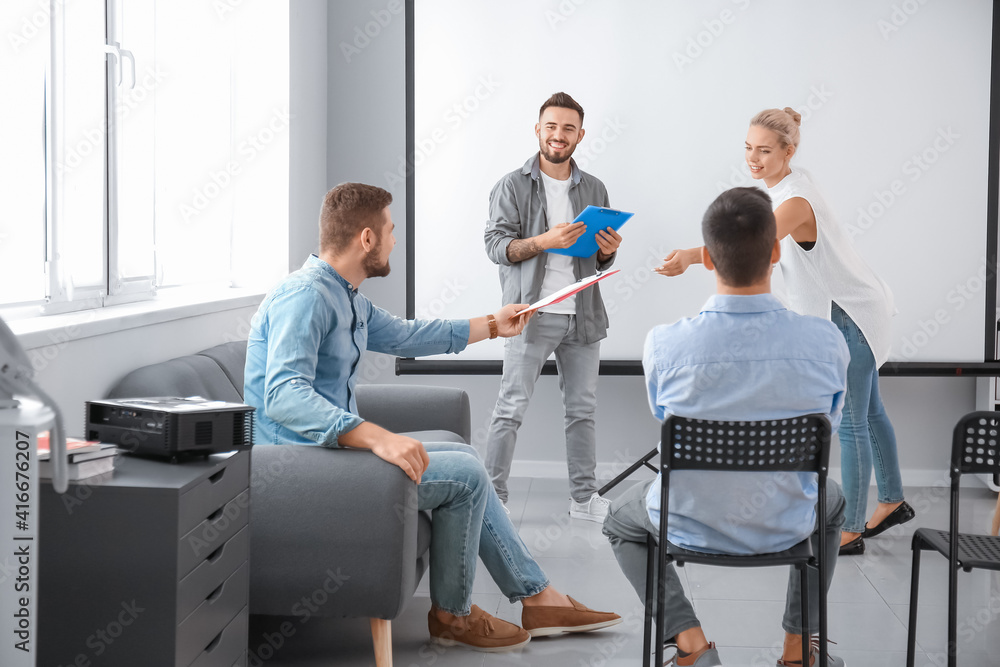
(745, 357)
(304, 351)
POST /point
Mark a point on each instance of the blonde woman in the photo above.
(826, 277)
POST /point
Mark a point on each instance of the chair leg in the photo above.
(911, 631)
(647, 621)
(804, 600)
(952, 614)
(382, 641)
(644, 461)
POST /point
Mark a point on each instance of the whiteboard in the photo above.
(894, 98)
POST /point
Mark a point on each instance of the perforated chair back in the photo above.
(795, 444)
(975, 448)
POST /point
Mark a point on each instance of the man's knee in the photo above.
(835, 504)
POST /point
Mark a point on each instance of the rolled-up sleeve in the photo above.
(504, 224)
(293, 342)
(606, 203)
(415, 338)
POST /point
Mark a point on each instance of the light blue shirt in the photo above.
(743, 358)
(305, 347)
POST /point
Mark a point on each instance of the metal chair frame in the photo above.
(975, 448)
(798, 444)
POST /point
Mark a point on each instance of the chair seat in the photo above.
(797, 553)
(974, 551)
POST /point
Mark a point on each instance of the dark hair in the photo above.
(563, 101)
(739, 232)
(347, 210)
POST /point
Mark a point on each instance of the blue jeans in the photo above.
(578, 364)
(628, 524)
(867, 438)
(468, 520)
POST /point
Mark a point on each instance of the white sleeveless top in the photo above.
(833, 270)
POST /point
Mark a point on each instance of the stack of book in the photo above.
(86, 457)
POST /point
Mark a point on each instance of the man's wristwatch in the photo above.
(491, 320)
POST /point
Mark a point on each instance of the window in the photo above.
(159, 151)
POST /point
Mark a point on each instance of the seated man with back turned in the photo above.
(303, 355)
(745, 358)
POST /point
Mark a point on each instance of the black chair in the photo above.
(975, 448)
(798, 444)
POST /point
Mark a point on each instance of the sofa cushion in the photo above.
(194, 375)
(435, 436)
(232, 358)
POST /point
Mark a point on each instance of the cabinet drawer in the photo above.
(195, 587)
(205, 623)
(210, 494)
(212, 533)
(228, 645)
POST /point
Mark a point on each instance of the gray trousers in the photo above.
(578, 366)
(627, 525)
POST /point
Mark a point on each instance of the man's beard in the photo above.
(555, 159)
(371, 266)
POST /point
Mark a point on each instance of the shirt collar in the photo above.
(742, 303)
(533, 168)
(315, 261)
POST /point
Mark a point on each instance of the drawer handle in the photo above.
(216, 555)
(212, 645)
(214, 479)
(216, 514)
(214, 595)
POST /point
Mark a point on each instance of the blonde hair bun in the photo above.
(796, 116)
(783, 122)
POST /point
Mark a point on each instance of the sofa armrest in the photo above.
(405, 408)
(333, 532)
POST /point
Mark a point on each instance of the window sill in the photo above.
(169, 305)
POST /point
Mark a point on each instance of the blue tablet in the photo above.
(597, 218)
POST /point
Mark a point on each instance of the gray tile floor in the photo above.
(740, 609)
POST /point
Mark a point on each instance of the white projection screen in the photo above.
(895, 101)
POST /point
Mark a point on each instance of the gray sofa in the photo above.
(335, 526)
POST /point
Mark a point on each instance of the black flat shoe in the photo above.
(855, 547)
(901, 514)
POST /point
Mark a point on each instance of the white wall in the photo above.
(366, 139)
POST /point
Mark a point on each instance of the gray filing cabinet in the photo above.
(147, 566)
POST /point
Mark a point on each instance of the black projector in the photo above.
(170, 427)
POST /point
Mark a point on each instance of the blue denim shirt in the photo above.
(743, 358)
(305, 347)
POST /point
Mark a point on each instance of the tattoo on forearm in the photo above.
(521, 249)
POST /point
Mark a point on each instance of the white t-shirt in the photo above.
(558, 268)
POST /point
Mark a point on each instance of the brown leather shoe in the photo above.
(545, 621)
(479, 631)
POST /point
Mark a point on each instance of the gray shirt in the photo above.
(517, 211)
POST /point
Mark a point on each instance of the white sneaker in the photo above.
(594, 509)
